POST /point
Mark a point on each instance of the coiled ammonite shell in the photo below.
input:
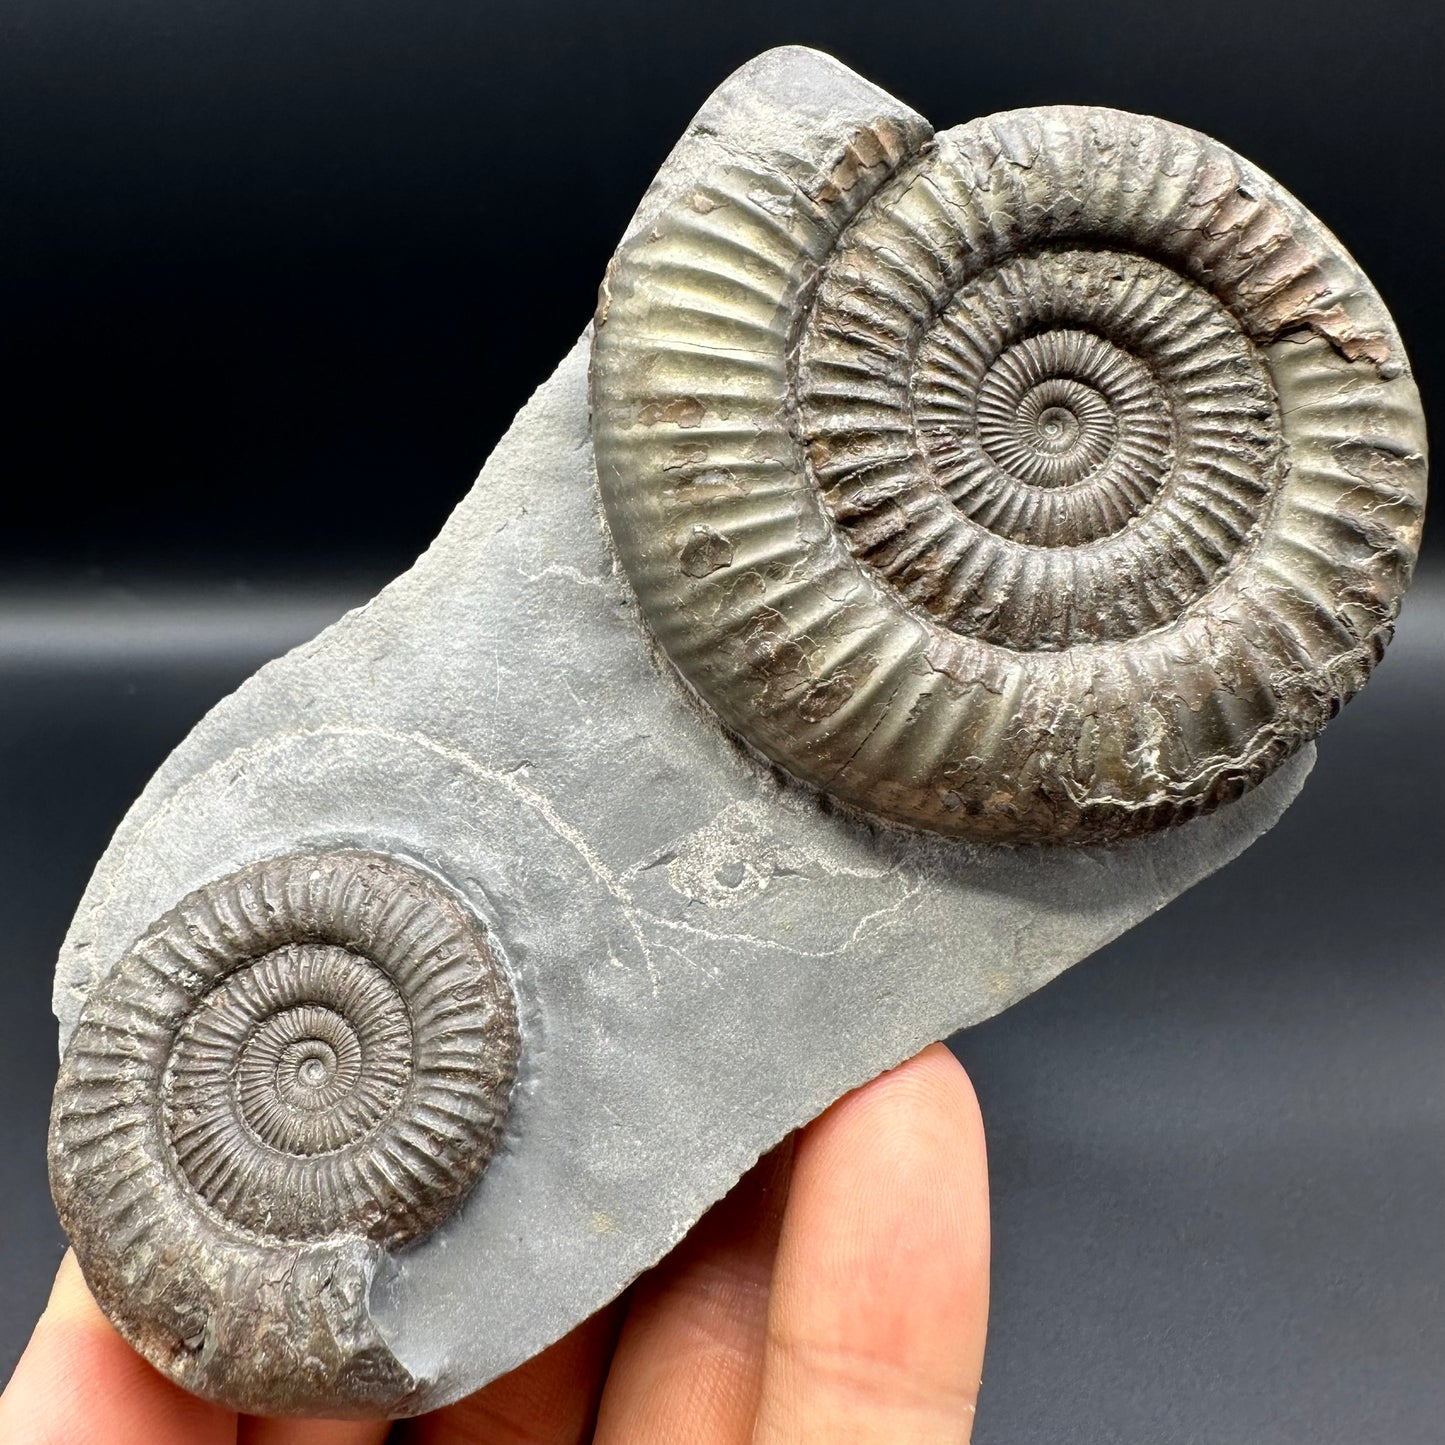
(299, 1068)
(1050, 479)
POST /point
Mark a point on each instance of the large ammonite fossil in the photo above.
(298, 1069)
(1050, 479)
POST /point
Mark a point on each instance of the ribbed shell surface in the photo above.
(300, 1067)
(1051, 479)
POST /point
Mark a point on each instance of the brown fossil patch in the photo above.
(298, 1069)
(1082, 430)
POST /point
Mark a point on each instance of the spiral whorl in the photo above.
(1051, 479)
(300, 1067)
(1086, 442)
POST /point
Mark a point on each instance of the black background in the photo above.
(275, 278)
(278, 272)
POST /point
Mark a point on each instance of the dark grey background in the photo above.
(274, 278)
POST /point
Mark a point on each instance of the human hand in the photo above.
(839, 1293)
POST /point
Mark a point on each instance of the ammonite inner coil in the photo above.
(301, 1067)
(1051, 479)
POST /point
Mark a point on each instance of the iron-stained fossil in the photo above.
(1049, 479)
(300, 1067)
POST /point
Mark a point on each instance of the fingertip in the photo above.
(880, 1300)
(921, 1118)
(70, 1297)
(689, 1361)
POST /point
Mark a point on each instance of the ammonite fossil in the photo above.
(301, 1067)
(1049, 479)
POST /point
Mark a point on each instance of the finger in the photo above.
(256, 1431)
(551, 1400)
(79, 1383)
(880, 1293)
(689, 1361)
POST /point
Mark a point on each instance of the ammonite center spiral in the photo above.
(1038, 421)
(1058, 474)
(1083, 440)
(1053, 410)
(284, 1069)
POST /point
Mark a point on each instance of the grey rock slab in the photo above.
(704, 955)
(703, 952)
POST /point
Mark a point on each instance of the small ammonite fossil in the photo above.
(298, 1069)
(1051, 479)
